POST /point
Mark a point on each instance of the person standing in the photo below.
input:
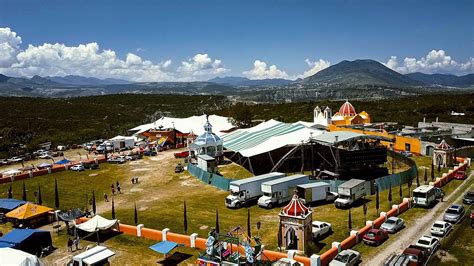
(69, 245)
(118, 189)
(105, 197)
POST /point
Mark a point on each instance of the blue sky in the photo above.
(292, 35)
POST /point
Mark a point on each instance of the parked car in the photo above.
(77, 168)
(45, 155)
(179, 168)
(15, 159)
(393, 225)
(468, 198)
(287, 262)
(461, 175)
(439, 193)
(429, 242)
(454, 213)
(117, 160)
(375, 237)
(182, 154)
(441, 228)
(346, 257)
(321, 229)
(418, 255)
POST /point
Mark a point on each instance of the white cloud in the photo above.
(9, 46)
(90, 60)
(202, 65)
(436, 61)
(261, 71)
(315, 67)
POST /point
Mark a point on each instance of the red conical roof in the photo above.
(295, 207)
(444, 145)
(347, 109)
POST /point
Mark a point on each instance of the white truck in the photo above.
(351, 191)
(245, 190)
(280, 190)
(424, 196)
(314, 192)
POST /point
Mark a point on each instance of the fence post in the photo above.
(164, 232)
(139, 230)
(315, 260)
(356, 234)
(337, 245)
(192, 239)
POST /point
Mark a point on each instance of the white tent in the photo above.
(193, 124)
(11, 172)
(10, 256)
(93, 255)
(97, 223)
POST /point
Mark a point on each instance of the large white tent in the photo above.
(11, 256)
(193, 124)
(268, 136)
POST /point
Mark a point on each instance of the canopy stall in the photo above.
(27, 240)
(97, 223)
(63, 161)
(71, 215)
(29, 215)
(7, 205)
(164, 247)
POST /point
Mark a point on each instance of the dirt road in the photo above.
(419, 228)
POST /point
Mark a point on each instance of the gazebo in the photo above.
(296, 225)
(443, 155)
(207, 143)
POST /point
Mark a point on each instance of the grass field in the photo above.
(159, 198)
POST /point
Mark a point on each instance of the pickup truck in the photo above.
(411, 256)
(460, 175)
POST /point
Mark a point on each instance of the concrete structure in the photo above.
(443, 155)
(296, 225)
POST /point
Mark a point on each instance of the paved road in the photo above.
(418, 228)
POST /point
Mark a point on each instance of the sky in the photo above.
(197, 40)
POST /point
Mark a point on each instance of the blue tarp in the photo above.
(17, 236)
(164, 247)
(10, 204)
(28, 240)
(63, 161)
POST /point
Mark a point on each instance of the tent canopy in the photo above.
(63, 161)
(97, 223)
(94, 255)
(28, 240)
(44, 165)
(28, 211)
(164, 247)
(10, 256)
(10, 204)
(69, 216)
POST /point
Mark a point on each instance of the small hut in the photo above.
(296, 225)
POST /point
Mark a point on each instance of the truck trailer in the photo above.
(351, 191)
(245, 190)
(280, 190)
(314, 192)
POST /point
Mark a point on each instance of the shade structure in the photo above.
(28, 211)
(11, 256)
(27, 240)
(63, 161)
(97, 223)
(164, 247)
(10, 204)
(44, 165)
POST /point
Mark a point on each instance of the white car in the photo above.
(45, 155)
(15, 159)
(441, 228)
(346, 257)
(77, 167)
(428, 242)
(321, 229)
(287, 262)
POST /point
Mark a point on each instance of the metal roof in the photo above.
(314, 184)
(284, 179)
(352, 183)
(256, 178)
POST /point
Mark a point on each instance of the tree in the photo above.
(426, 176)
(10, 194)
(280, 237)
(409, 183)
(217, 221)
(400, 191)
(40, 200)
(185, 221)
(24, 192)
(390, 195)
(249, 233)
(241, 115)
(417, 178)
(432, 171)
(377, 201)
(94, 204)
(136, 215)
(365, 209)
(56, 194)
(113, 208)
(350, 221)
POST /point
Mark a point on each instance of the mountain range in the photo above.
(342, 77)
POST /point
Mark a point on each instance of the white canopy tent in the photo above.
(11, 256)
(93, 255)
(97, 223)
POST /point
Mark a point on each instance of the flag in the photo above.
(56, 194)
(136, 214)
(217, 221)
(24, 192)
(185, 222)
(40, 200)
(249, 233)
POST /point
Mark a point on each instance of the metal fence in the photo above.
(216, 180)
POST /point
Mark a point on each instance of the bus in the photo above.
(424, 196)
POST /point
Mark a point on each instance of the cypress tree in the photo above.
(377, 201)
(24, 192)
(40, 200)
(417, 178)
(56, 194)
(400, 192)
(390, 195)
(94, 204)
(136, 215)
(280, 237)
(249, 233)
(113, 208)
(350, 221)
(365, 209)
(217, 221)
(185, 221)
(426, 176)
(10, 194)
(432, 171)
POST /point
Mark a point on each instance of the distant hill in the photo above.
(360, 72)
(87, 81)
(443, 79)
(241, 81)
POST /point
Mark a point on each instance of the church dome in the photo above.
(295, 208)
(347, 109)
